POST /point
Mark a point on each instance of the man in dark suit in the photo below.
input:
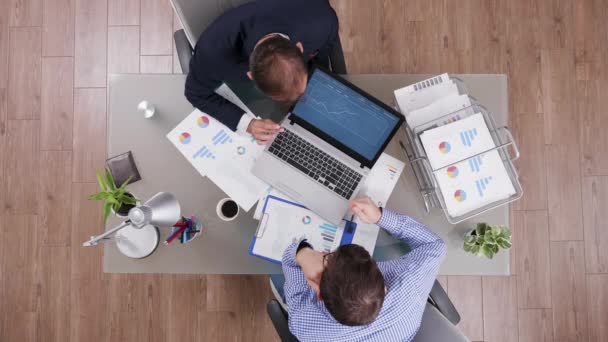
(267, 41)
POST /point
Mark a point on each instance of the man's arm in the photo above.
(297, 290)
(421, 264)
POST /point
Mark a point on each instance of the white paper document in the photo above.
(451, 143)
(382, 179)
(284, 222)
(474, 183)
(424, 93)
(438, 109)
(222, 155)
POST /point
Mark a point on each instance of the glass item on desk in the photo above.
(146, 108)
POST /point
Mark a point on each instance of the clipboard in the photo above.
(264, 228)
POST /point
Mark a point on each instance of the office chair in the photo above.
(196, 15)
(438, 321)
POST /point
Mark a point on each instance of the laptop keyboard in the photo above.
(315, 163)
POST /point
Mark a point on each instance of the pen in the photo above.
(174, 235)
(350, 225)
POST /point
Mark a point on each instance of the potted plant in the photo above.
(487, 240)
(116, 199)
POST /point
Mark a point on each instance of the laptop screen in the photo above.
(346, 115)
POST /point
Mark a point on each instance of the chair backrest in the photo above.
(436, 327)
(196, 15)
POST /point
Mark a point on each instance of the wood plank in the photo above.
(3, 152)
(19, 326)
(55, 288)
(19, 292)
(156, 64)
(568, 287)
(523, 65)
(499, 309)
(87, 221)
(24, 73)
(21, 167)
(121, 12)
(91, 31)
(26, 12)
(457, 25)
(89, 142)
(186, 302)
(597, 301)
(466, 294)
(593, 124)
(535, 325)
(123, 50)
(489, 41)
(591, 47)
(55, 213)
(595, 202)
(58, 28)
(88, 306)
(57, 114)
(220, 326)
(564, 192)
(532, 258)
(156, 27)
(4, 43)
(559, 96)
(394, 52)
(556, 19)
(528, 131)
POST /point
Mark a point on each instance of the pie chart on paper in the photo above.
(452, 171)
(185, 138)
(445, 147)
(460, 195)
(203, 122)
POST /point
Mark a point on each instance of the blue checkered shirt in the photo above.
(408, 281)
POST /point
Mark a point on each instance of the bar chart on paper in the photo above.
(221, 137)
(328, 234)
(203, 152)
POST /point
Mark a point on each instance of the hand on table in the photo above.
(311, 263)
(365, 209)
(263, 130)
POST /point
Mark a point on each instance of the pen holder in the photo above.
(185, 231)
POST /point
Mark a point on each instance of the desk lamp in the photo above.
(138, 236)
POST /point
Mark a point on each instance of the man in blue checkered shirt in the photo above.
(347, 296)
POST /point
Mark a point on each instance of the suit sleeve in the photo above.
(207, 73)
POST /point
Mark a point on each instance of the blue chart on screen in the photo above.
(345, 115)
(468, 136)
(203, 152)
(328, 232)
(221, 138)
(475, 164)
(482, 184)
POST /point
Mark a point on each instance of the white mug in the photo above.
(218, 209)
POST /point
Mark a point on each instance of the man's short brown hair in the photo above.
(352, 286)
(277, 66)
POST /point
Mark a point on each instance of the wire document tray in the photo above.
(425, 174)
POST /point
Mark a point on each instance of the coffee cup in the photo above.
(227, 209)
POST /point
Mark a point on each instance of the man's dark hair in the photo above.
(277, 66)
(352, 286)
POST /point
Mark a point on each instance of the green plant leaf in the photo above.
(106, 211)
(487, 251)
(125, 183)
(475, 249)
(101, 182)
(504, 243)
(112, 200)
(481, 228)
(129, 200)
(110, 179)
(100, 196)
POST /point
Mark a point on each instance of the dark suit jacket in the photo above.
(222, 51)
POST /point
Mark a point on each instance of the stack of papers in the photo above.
(469, 172)
(430, 100)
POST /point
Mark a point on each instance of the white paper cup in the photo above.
(221, 215)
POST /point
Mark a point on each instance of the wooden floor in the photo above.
(55, 56)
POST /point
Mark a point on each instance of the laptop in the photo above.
(333, 136)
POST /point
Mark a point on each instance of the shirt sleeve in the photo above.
(418, 268)
(241, 128)
(297, 291)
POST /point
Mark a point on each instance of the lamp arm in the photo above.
(95, 239)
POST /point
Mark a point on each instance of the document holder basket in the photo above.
(427, 183)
